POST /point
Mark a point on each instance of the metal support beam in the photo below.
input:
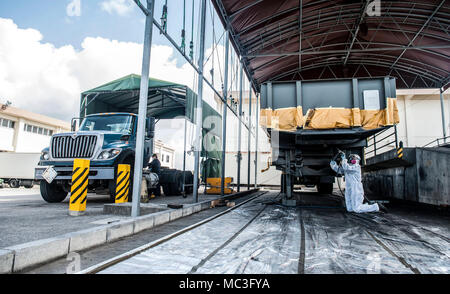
(256, 140)
(249, 135)
(355, 34)
(444, 126)
(142, 114)
(184, 155)
(199, 108)
(239, 153)
(321, 52)
(418, 32)
(224, 115)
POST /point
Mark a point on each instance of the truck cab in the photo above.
(106, 139)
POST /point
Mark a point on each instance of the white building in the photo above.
(166, 154)
(420, 118)
(24, 131)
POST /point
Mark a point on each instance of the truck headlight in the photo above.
(45, 155)
(108, 154)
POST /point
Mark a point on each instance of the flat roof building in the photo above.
(25, 131)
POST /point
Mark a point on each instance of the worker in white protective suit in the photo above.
(354, 192)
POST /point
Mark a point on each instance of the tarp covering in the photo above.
(319, 237)
(288, 119)
(166, 100)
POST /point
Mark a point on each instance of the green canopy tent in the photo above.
(166, 100)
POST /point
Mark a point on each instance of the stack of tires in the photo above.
(171, 181)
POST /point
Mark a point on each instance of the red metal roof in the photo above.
(409, 40)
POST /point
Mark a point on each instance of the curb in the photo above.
(19, 257)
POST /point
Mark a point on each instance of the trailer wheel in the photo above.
(52, 193)
(14, 183)
(325, 188)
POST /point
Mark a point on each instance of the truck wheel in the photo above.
(14, 183)
(52, 193)
(167, 189)
(325, 188)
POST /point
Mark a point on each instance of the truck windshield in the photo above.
(114, 123)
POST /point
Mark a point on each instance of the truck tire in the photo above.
(167, 189)
(14, 183)
(52, 193)
(325, 188)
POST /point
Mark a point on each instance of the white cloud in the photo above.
(121, 7)
(46, 79)
(74, 8)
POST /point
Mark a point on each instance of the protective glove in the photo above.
(333, 162)
(343, 156)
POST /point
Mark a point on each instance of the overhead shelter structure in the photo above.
(320, 39)
(166, 100)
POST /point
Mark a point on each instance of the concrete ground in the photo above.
(262, 236)
(26, 217)
(99, 254)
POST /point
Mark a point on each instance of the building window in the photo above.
(7, 123)
(167, 158)
(37, 130)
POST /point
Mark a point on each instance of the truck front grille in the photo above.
(82, 146)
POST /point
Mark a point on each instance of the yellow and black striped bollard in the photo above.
(78, 194)
(400, 152)
(123, 183)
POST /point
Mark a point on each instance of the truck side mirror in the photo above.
(73, 128)
(150, 127)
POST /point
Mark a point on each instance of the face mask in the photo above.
(353, 161)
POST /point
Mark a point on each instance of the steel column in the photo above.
(142, 114)
(199, 108)
(256, 140)
(224, 115)
(184, 156)
(444, 127)
(249, 134)
(239, 154)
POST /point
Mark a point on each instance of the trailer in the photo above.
(310, 121)
(17, 169)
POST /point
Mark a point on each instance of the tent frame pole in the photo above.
(184, 156)
(199, 107)
(224, 116)
(239, 153)
(142, 114)
(256, 140)
(444, 127)
(249, 136)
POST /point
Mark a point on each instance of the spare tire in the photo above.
(166, 189)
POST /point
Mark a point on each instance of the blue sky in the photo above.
(50, 18)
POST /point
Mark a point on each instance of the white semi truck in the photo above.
(17, 169)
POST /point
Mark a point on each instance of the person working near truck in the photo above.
(354, 192)
(155, 167)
